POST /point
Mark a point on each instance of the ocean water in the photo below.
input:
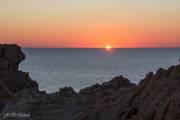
(79, 68)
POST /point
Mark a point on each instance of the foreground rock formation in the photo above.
(156, 97)
(11, 79)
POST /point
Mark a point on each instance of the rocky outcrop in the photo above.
(156, 97)
(98, 102)
(11, 79)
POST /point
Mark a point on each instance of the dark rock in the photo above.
(2, 104)
(91, 90)
(13, 54)
(117, 83)
(11, 79)
(67, 92)
(3, 64)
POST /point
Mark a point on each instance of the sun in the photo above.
(108, 47)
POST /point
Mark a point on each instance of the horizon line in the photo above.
(100, 47)
(31, 47)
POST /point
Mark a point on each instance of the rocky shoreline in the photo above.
(156, 97)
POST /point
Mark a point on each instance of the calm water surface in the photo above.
(79, 68)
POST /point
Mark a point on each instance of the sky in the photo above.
(90, 23)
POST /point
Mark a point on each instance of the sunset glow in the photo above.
(90, 24)
(108, 47)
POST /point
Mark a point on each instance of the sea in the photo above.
(80, 68)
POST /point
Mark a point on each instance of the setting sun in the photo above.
(108, 47)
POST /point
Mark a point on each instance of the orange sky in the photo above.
(94, 23)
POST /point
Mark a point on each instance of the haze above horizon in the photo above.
(90, 24)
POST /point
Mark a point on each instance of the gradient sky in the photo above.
(90, 23)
